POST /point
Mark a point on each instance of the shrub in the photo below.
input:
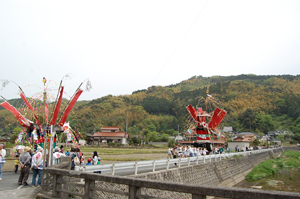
(111, 144)
(262, 170)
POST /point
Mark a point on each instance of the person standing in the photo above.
(170, 153)
(73, 155)
(2, 159)
(61, 149)
(16, 164)
(24, 160)
(57, 155)
(37, 166)
(95, 158)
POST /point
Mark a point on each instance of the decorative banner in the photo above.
(30, 107)
(217, 118)
(192, 111)
(69, 107)
(57, 107)
(21, 119)
(66, 127)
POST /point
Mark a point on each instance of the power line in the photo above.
(180, 42)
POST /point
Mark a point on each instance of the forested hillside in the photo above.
(253, 103)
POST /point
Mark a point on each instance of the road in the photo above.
(130, 170)
(9, 187)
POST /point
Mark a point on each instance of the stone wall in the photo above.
(221, 173)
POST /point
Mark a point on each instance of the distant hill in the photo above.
(253, 103)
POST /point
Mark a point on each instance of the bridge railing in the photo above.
(112, 168)
(70, 184)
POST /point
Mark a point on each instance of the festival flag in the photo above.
(192, 111)
(21, 119)
(69, 107)
(217, 118)
(190, 131)
(57, 107)
(30, 107)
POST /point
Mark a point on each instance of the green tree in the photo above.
(255, 142)
(152, 136)
(17, 130)
(171, 143)
(13, 137)
(164, 137)
(247, 118)
(281, 137)
(264, 122)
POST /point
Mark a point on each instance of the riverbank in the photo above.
(280, 174)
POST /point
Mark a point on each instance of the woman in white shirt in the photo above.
(95, 158)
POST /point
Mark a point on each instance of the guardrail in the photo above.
(68, 184)
(161, 162)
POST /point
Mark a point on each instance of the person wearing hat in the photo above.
(89, 162)
(24, 160)
(2, 159)
(57, 155)
(37, 166)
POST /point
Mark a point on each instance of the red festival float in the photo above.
(205, 123)
(47, 129)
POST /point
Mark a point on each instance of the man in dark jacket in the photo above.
(25, 161)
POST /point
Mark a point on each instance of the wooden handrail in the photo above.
(196, 190)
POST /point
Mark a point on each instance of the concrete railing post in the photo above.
(209, 157)
(204, 158)
(153, 166)
(88, 192)
(197, 159)
(189, 161)
(134, 192)
(54, 187)
(136, 168)
(113, 169)
(179, 162)
(168, 164)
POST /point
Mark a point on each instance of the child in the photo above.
(89, 162)
(16, 164)
(99, 160)
(67, 153)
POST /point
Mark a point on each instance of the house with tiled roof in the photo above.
(242, 140)
(111, 134)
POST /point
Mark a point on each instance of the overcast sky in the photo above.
(124, 46)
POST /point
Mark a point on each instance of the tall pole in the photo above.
(178, 134)
(126, 122)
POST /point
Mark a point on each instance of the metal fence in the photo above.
(163, 163)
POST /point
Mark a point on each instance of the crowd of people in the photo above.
(189, 151)
(27, 160)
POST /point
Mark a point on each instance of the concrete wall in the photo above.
(226, 172)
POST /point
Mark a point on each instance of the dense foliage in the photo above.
(270, 167)
(253, 103)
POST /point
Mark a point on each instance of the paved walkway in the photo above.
(9, 188)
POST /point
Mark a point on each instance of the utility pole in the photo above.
(126, 122)
(178, 134)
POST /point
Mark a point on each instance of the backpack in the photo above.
(76, 160)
